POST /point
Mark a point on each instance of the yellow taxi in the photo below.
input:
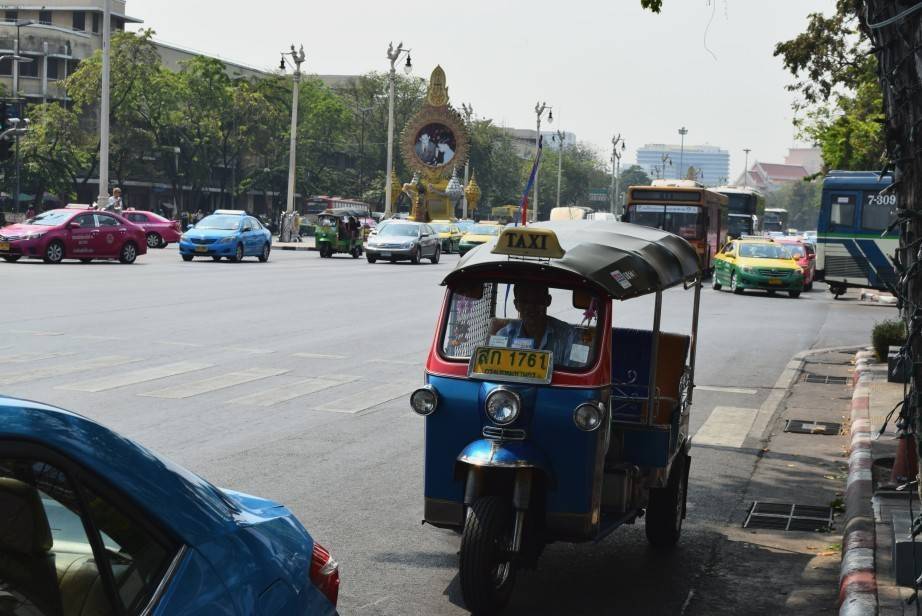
(480, 233)
(449, 235)
(757, 263)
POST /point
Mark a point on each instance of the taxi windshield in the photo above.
(764, 251)
(399, 230)
(220, 222)
(524, 315)
(50, 219)
(794, 250)
(485, 230)
(440, 227)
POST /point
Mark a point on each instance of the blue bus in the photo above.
(856, 210)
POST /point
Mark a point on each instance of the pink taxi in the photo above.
(75, 232)
(158, 230)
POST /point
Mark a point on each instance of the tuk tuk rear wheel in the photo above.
(487, 570)
(666, 508)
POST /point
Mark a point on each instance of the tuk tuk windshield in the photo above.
(524, 315)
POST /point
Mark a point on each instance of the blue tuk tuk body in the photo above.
(582, 454)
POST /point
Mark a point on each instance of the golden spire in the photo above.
(438, 88)
(472, 192)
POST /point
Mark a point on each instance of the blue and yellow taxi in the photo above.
(230, 234)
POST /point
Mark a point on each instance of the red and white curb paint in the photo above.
(857, 575)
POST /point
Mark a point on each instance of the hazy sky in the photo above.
(605, 66)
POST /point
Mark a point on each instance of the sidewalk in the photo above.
(306, 243)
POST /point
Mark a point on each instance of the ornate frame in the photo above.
(435, 115)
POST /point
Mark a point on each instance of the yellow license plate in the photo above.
(516, 365)
(4, 246)
(201, 249)
(774, 281)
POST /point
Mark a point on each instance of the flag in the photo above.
(523, 206)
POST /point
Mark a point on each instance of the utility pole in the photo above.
(103, 199)
(468, 114)
(297, 57)
(681, 174)
(393, 55)
(616, 173)
(561, 136)
(540, 108)
(746, 168)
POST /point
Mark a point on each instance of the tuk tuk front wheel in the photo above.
(487, 570)
(666, 508)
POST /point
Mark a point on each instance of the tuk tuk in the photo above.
(335, 233)
(543, 428)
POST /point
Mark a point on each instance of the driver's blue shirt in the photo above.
(558, 337)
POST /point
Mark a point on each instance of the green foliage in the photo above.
(801, 200)
(652, 5)
(885, 334)
(634, 176)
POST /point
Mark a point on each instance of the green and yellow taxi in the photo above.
(479, 234)
(757, 264)
(449, 235)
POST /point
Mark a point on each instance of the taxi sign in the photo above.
(513, 365)
(528, 242)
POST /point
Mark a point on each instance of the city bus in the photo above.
(775, 219)
(685, 208)
(856, 210)
(743, 209)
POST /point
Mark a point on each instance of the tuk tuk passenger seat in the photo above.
(630, 372)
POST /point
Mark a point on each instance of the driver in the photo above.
(535, 329)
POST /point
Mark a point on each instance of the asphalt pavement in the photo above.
(289, 380)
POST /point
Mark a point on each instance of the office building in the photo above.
(709, 164)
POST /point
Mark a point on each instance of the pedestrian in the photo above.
(198, 216)
(296, 227)
(115, 201)
(30, 213)
(184, 220)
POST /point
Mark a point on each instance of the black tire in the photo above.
(154, 240)
(238, 254)
(436, 255)
(372, 259)
(771, 293)
(714, 284)
(86, 260)
(128, 253)
(417, 256)
(215, 258)
(188, 257)
(809, 287)
(54, 252)
(356, 252)
(733, 287)
(12, 258)
(487, 581)
(264, 255)
(794, 294)
(666, 508)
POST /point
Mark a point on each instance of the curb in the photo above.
(857, 574)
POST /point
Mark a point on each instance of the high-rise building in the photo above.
(709, 164)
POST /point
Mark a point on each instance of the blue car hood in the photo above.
(211, 233)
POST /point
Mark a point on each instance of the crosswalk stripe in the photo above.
(397, 362)
(33, 332)
(27, 357)
(368, 398)
(291, 391)
(727, 426)
(45, 372)
(223, 381)
(248, 350)
(138, 376)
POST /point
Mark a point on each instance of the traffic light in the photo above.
(6, 145)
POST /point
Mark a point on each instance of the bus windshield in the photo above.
(683, 220)
(738, 225)
(741, 204)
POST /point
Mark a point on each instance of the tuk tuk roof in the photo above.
(621, 259)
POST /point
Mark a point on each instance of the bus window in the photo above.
(842, 212)
(684, 220)
(878, 211)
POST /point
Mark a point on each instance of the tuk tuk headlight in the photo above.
(588, 416)
(424, 400)
(503, 406)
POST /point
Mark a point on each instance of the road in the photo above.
(290, 379)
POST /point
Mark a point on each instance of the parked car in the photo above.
(403, 240)
(73, 233)
(805, 253)
(159, 231)
(226, 233)
(94, 523)
(757, 264)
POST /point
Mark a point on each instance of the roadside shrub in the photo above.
(886, 334)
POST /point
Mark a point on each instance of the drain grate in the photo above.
(789, 517)
(803, 426)
(822, 379)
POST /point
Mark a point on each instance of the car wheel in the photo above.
(129, 253)
(11, 258)
(154, 240)
(264, 256)
(188, 257)
(356, 252)
(372, 259)
(771, 293)
(86, 260)
(417, 256)
(794, 294)
(714, 284)
(238, 254)
(733, 285)
(54, 253)
(436, 255)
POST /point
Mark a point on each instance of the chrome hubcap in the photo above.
(153, 241)
(55, 252)
(129, 252)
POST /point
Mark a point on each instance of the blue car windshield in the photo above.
(51, 219)
(219, 222)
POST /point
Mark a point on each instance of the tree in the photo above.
(634, 176)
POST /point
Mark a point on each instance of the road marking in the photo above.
(182, 344)
(104, 338)
(65, 369)
(394, 361)
(728, 390)
(250, 351)
(26, 357)
(318, 356)
(727, 426)
(215, 383)
(368, 398)
(33, 332)
(138, 376)
(284, 393)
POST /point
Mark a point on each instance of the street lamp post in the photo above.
(394, 56)
(746, 167)
(103, 199)
(297, 57)
(682, 131)
(468, 114)
(616, 173)
(560, 141)
(666, 160)
(540, 108)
